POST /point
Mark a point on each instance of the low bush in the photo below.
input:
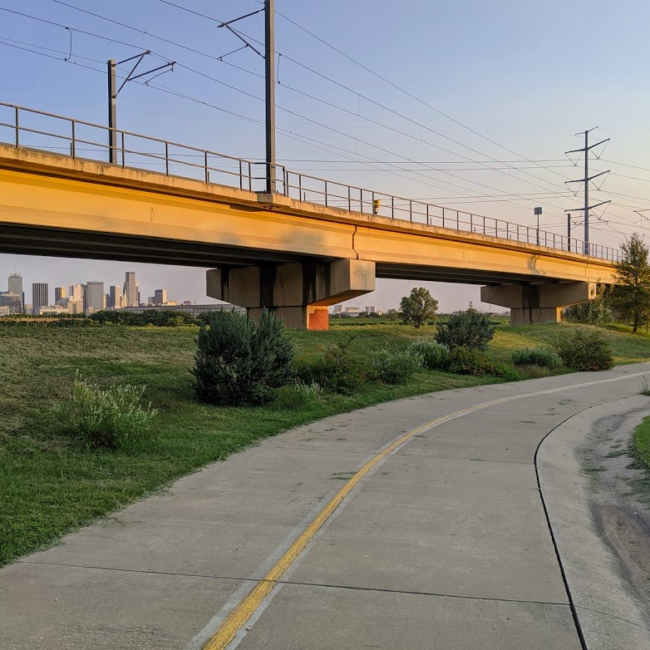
(336, 371)
(584, 350)
(469, 329)
(434, 355)
(112, 418)
(469, 362)
(539, 356)
(298, 396)
(240, 363)
(395, 367)
(507, 372)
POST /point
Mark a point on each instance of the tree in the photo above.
(631, 294)
(418, 307)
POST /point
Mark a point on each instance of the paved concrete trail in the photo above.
(343, 534)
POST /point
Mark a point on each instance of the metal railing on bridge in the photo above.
(26, 127)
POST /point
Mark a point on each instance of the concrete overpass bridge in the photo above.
(311, 244)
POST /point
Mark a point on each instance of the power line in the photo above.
(359, 140)
(394, 85)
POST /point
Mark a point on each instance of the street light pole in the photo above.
(538, 213)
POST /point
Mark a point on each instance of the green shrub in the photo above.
(297, 396)
(469, 329)
(395, 367)
(539, 356)
(112, 418)
(584, 350)
(469, 362)
(240, 363)
(507, 372)
(434, 355)
(336, 371)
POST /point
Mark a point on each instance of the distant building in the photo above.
(352, 311)
(52, 309)
(76, 292)
(131, 293)
(12, 301)
(94, 297)
(371, 310)
(60, 294)
(160, 297)
(15, 285)
(338, 309)
(114, 297)
(151, 301)
(40, 296)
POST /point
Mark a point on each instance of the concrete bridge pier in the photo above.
(299, 293)
(531, 304)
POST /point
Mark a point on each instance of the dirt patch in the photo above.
(620, 500)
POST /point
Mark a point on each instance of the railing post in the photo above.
(349, 199)
(471, 222)
(241, 176)
(17, 126)
(428, 222)
(167, 158)
(411, 210)
(443, 217)
(392, 207)
(123, 148)
(74, 142)
(325, 193)
(507, 230)
(517, 232)
(205, 167)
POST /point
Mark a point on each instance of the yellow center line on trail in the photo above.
(240, 615)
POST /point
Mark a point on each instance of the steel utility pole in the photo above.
(269, 44)
(586, 180)
(112, 110)
(114, 91)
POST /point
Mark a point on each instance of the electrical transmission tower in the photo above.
(586, 180)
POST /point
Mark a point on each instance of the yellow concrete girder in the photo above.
(57, 192)
(403, 248)
(33, 200)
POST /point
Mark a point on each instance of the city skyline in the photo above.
(90, 296)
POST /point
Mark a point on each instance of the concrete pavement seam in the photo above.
(295, 583)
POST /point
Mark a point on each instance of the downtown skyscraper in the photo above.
(131, 291)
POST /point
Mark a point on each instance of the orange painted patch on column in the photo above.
(318, 318)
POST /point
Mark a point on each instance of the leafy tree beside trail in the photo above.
(631, 296)
(419, 307)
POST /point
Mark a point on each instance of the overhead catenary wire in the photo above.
(359, 140)
(239, 116)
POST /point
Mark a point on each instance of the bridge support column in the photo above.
(538, 303)
(298, 293)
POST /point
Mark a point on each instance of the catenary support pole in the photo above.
(270, 93)
(112, 112)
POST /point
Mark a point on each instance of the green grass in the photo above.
(49, 484)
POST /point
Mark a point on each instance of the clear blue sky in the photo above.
(526, 75)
